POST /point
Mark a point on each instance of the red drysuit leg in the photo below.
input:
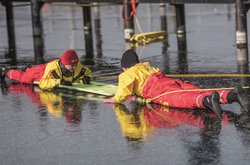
(177, 96)
(34, 73)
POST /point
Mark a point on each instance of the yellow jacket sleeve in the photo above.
(125, 88)
(48, 81)
(88, 73)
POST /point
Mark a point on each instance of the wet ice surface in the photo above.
(96, 134)
(50, 128)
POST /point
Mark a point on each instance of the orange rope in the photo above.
(132, 13)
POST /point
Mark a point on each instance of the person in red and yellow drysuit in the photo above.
(143, 80)
(64, 71)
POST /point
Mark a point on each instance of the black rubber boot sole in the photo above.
(242, 97)
(214, 104)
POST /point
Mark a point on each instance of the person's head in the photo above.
(129, 59)
(69, 59)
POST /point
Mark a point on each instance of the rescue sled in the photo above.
(94, 87)
(149, 37)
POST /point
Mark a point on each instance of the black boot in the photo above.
(239, 95)
(212, 102)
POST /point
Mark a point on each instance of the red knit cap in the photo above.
(69, 57)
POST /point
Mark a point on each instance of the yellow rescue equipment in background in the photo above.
(148, 37)
(143, 38)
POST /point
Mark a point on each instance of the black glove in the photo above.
(86, 79)
(63, 82)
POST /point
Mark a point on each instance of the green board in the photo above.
(94, 87)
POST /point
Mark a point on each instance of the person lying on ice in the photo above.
(64, 71)
(148, 82)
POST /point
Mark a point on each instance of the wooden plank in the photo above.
(185, 1)
(159, 1)
(140, 1)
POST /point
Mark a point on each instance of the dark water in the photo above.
(38, 127)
